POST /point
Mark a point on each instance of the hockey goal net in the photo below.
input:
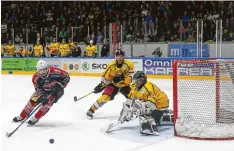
(203, 94)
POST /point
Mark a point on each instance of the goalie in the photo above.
(147, 102)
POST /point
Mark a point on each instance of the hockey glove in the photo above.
(43, 99)
(118, 78)
(99, 88)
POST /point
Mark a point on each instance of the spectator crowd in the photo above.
(50, 22)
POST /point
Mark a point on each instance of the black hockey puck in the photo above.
(51, 141)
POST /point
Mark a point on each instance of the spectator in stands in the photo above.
(63, 34)
(76, 51)
(100, 37)
(54, 48)
(105, 50)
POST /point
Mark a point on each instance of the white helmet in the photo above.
(41, 64)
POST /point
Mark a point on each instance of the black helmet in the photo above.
(139, 79)
(119, 52)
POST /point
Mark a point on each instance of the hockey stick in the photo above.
(112, 125)
(75, 97)
(29, 115)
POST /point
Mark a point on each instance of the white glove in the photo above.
(126, 114)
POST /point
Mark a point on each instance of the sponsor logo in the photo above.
(76, 66)
(99, 66)
(85, 66)
(71, 66)
(65, 66)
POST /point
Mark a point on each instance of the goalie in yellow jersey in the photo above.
(116, 78)
(147, 102)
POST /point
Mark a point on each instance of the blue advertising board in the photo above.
(187, 50)
(165, 67)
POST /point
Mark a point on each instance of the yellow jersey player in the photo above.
(54, 48)
(71, 46)
(10, 49)
(64, 49)
(147, 102)
(38, 49)
(91, 50)
(116, 78)
(22, 52)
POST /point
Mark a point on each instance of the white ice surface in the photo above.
(67, 124)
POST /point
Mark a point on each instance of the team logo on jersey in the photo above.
(85, 66)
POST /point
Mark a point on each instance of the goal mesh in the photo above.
(204, 99)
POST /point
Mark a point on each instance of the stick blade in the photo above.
(75, 98)
(8, 134)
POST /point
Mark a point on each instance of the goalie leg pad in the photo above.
(148, 125)
(126, 114)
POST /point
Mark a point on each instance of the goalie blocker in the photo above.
(147, 102)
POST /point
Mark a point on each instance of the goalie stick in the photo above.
(29, 115)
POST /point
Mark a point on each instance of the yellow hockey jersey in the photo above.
(90, 50)
(2, 50)
(64, 50)
(112, 70)
(150, 92)
(54, 47)
(38, 50)
(10, 50)
(23, 52)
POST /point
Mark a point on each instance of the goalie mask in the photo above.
(42, 69)
(139, 79)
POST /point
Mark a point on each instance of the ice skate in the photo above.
(17, 119)
(90, 113)
(33, 121)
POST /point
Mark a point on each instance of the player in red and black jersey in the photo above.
(49, 83)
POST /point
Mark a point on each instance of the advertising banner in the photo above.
(71, 65)
(187, 50)
(19, 64)
(164, 67)
(99, 65)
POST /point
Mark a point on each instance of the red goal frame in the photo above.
(175, 94)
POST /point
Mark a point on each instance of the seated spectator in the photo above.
(90, 50)
(105, 50)
(76, 51)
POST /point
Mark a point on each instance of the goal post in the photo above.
(203, 99)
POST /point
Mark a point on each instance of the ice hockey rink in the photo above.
(67, 124)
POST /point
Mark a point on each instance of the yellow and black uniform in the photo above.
(54, 47)
(64, 49)
(90, 51)
(23, 52)
(38, 50)
(150, 92)
(116, 78)
(10, 50)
